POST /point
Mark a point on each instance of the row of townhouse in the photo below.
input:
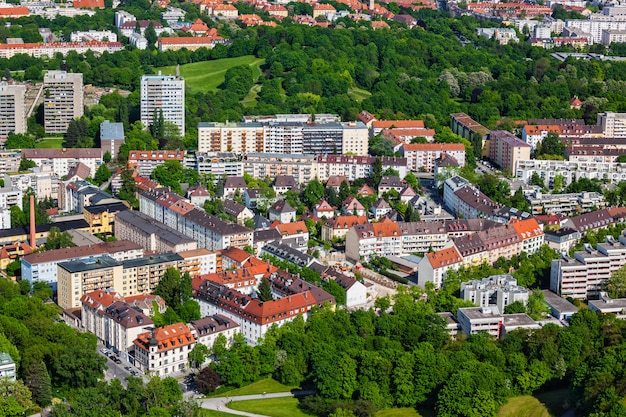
(209, 231)
(124, 325)
(290, 137)
(480, 247)
(566, 204)
(129, 277)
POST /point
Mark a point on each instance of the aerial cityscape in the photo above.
(334, 208)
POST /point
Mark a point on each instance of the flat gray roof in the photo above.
(558, 303)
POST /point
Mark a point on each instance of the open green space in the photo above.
(208, 75)
(358, 94)
(398, 412)
(49, 143)
(273, 407)
(259, 387)
(547, 404)
(213, 413)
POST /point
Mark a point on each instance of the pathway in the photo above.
(221, 403)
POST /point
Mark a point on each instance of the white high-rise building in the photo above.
(12, 110)
(63, 100)
(613, 124)
(164, 93)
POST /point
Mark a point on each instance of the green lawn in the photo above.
(264, 385)
(398, 412)
(206, 76)
(49, 143)
(358, 94)
(548, 404)
(273, 407)
(213, 413)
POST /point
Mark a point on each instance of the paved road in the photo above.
(221, 403)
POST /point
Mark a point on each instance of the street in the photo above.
(115, 370)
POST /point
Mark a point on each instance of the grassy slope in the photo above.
(50, 143)
(547, 404)
(398, 412)
(264, 385)
(273, 407)
(208, 75)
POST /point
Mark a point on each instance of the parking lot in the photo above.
(117, 367)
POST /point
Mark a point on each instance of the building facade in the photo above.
(163, 94)
(12, 110)
(63, 100)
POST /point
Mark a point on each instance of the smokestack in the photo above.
(33, 234)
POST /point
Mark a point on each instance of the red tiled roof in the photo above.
(527, 228)
(426, 147)
(169, 337)
(444, 257)
(14, 11)
(289, 229)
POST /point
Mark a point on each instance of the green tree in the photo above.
(19, 141)
(377, 170)
(169, 287)
(615, 286)
(208, 380)
(38, 381)
(150, 35)
(15, 398)
(57, 239)
(265, 290)
(199, 354)
(102, 174)
(106, 157)
(26, 164)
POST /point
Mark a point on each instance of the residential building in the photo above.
(234, 184)
(51, 49)
(380, 208)
(530, 233)
(466, 127)
(41, 180)
(10, 197)
(583, 275)
(12, 110)
(256, 317)
(240, 212)
(567, 204)
(219, 164)
(164, 351)
(505, 149)
(63, 100)
(101, 216)
(352, 206)
(245, 279)
(613, 124)
(356, 292)
(353, 167)
(81, 276)
(198, 194)
(503, 36)
(434, 265)
(496, 290)
(62, 160)
(295, 230)
(9, 161)
(594, 220)
(420, 157)
(479, 319)
(563, 239)
(93, 35)
(198, 262)
(207, 329)
(240, 138)
(390, 182)
(337, 227)
(324, 210)
(423, 237)
(8, 369)
(609, 172)
(489, 245)
(518, 321)
(284, 183)
(373, 239)
(209, 231)
(260, 165)
(284, 252)
(151, 235)
(42, 266)
(163, 94)
(608, 305)
(282, 212)
(111, 137)
(138, 41)
(148, 160)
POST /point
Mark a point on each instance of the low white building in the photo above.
(7, 366)
(496, 290)
(93, 35)
(480, 319)
(138, 40)
(207, 329)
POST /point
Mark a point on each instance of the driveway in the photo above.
(221, 403)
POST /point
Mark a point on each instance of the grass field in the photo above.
(398, 412)
(206, 76)
(359, 94)
(48, 143)
(273, 407)
(264, 385)
(548, 404)
(213, 413)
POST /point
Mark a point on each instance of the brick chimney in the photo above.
(33, 234)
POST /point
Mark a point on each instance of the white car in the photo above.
(104, 352)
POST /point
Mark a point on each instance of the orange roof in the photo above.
(379, 24)
(527, 229)
(224, 7)
(295, 228)
(169, 337)
(345, 222)
(184, 40)
(444, 257)
(236, 254)
(89, 4)
(199, 26)
(247, 275)
(324, 206)
(386, 228)
(442, 147)
(365, 190)
(100, 298)
(397, 124)
(351, 203)
(537, 129)
(324, 7)
(14, 11)
(158, 155)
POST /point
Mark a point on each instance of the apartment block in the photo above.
(434, 265)
(420, 157)
(610, 172)
(240, 138)
(567, 204)
(480, 319)
(466, 127)
(209, 231)
(10, 197)
(218, 164)
(496, 290)
(613, 124)
(62, 160)
(12, 110)
(505, 149)
(42, 266)
(163, 94)
(373, 239)
(207, 329)
(63, 100)
(111, 137)
(260, 165)
(583, 275)
(148, 160)
(353, 167)
(337, 227)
